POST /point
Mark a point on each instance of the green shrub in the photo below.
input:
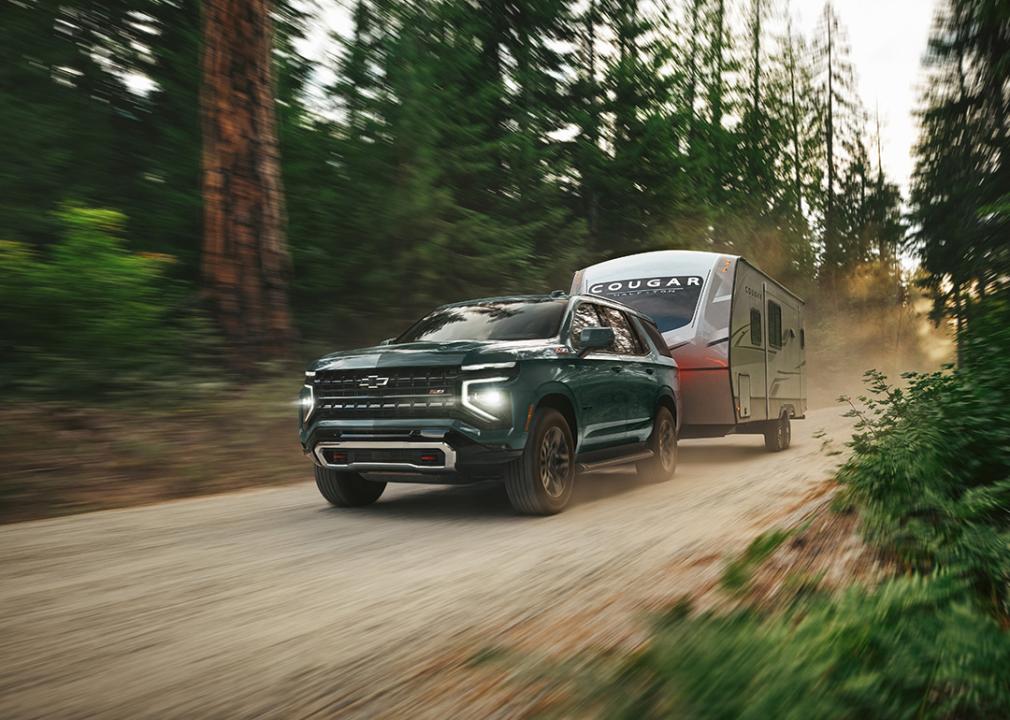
(930, 471)
(738, 573)
(87, 316)
(930, 478)
(910, 649)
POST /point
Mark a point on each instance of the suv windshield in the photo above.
(670, 301)
(493, 320)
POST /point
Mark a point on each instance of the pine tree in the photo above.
(842, 133)
(641, 169)
(961, 185)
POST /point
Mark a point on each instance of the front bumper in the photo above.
(436, 451)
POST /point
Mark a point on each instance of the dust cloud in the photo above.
(843, 343)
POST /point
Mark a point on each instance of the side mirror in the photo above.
(387, 341)
(595, 338)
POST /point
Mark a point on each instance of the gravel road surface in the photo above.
(269, 603)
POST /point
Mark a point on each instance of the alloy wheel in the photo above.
(555, 462)
(667, 445)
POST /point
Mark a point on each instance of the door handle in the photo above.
(650, 371)
(616, 368)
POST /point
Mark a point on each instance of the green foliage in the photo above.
(931, 467)
(962, 172)
(930, 478)
(738, 572)
(88, 316)
(912, 648)
(463, 149)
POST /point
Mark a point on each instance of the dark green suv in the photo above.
(527, 390)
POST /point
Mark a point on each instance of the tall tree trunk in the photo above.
(794, 121)
(692, 72)
(830, 243)
(716, 98)
(883, 247)
(717, 52)
(755, 124)
(246, 265)
(592, 198)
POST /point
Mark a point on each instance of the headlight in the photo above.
(307, 400)
(485, 400)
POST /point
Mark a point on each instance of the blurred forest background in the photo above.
(186, 206)
(464, 149)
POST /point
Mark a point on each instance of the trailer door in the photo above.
(767, 344)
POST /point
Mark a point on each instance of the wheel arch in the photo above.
(668, 400)
(557, 399)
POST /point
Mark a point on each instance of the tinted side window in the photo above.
(626, 341)
(755, 328)
(657, 338)
(774, 325)
(585, 316)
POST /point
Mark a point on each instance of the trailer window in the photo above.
(774, 325)
(669, 300)
(755, 328)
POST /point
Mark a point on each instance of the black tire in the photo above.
(779, 434)
(663, 443)
(347, 489)
(541, 481)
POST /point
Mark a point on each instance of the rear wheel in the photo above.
(541, 481)
(347, 489)
(663, 444)
(779, 434)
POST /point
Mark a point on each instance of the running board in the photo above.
(615, 462)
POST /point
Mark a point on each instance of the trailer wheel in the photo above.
(778, 434)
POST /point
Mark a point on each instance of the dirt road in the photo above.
(269, 603)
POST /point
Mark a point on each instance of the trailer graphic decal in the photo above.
(670, 299)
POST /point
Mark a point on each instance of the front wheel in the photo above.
(541, 481)
(778, 434)
(347, 489)
(663, 444)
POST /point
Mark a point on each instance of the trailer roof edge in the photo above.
(755, 268)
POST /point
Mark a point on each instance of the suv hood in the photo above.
(427, 354)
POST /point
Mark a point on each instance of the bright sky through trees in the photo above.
(888, 39)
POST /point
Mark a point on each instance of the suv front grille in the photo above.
(386, 393)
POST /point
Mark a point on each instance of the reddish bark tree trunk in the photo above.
(246, 265)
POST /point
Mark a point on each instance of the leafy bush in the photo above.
(931, 467)
(87, 315)
(738, 573)
(911, 649)
(930, 477)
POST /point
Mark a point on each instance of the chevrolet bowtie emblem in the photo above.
(373, 382)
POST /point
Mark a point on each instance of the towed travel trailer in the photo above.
(737, 336)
